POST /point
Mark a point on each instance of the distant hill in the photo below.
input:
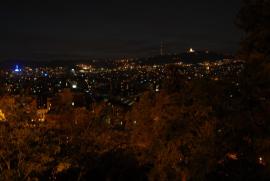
(194, 57)
(186, 57)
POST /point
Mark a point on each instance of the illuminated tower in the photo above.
(162, 48)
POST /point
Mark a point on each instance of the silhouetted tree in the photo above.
(253, 19)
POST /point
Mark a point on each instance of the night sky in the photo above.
(94, 28)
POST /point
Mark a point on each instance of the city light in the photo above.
(191, 50)
(2, 116)
(74, 86)
(17, 69)
(121, 90)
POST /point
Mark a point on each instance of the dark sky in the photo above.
(96, 28)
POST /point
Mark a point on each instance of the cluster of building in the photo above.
(120, 84)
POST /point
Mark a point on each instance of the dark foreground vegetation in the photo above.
(193, 131)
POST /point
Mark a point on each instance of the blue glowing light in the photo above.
(17, 69)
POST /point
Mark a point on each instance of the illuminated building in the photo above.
(17, 69)
(41, 115)
(74, 86)
(191, 50)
